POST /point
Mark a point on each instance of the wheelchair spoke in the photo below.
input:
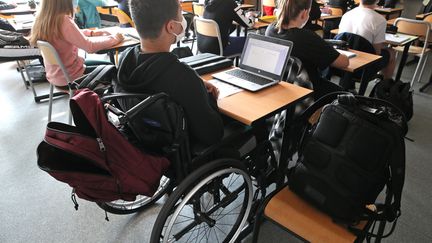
(209, 209)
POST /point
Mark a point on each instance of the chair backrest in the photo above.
(51, 56)
(412, 27)
(198, 9)
(209, 28)
(122, 17)
(356, 42)
(428, 19)
(103, 10)
(418, 28)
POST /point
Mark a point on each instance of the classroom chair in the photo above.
(210, 28)
(422, 30)
(51, 56)
(198, 9)
(293, 214)
(359, 43)
(122, 17)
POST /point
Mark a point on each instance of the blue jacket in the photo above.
(88, 15)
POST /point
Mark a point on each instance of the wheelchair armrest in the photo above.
(132, 112)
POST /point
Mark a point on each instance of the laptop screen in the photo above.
(266, 56)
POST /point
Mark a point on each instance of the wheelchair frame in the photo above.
(195, 179)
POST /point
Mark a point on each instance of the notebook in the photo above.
(396, 38)
(262, 64)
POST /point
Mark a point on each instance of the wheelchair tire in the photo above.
(201, 207)
(141, 202)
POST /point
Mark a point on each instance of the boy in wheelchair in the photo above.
(151, 68)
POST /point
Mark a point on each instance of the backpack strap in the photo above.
(94, 78)
(397, 160)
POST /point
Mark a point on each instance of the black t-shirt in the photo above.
(221, 11)
(311, 49)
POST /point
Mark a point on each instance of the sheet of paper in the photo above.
(24, 18)
(225, 89)
(396, 38)
(347, 53)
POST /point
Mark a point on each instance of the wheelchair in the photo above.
(212, 198)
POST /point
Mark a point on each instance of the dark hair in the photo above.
(290, 9)
(150, 16)
(369, 2)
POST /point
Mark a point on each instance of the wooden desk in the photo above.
(22, 23)
(246, 6)
(406, 44)
(361, 61)
(250, 107)
(325, 18)
(422, 16)
(257, 26)
(305, 220)
(128, 41)
(329, 17)
(20, 9)
(389, 13)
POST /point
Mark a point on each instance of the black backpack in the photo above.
(347, 157)
(398, 93)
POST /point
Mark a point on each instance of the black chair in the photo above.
(357, 42)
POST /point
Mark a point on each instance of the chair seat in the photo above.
(413, 50)
(293, 213)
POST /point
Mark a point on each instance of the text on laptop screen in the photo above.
(266, 56)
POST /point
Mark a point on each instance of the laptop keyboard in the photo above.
(249, 77)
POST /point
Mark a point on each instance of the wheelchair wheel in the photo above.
(210, 205)
(140, 203)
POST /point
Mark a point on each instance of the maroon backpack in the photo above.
(94, 158)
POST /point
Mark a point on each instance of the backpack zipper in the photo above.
(101, 144)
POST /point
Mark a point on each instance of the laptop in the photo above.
(262, 64)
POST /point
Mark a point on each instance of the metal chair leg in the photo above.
(416, 70)
(71, 92)
(51, 94)
(424, 64)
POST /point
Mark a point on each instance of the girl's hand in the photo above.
(119, 37)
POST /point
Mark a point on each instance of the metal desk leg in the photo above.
(363, 83)
(402, 62)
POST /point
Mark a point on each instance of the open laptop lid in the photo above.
(266, 56)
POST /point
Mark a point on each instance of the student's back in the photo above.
(315, 54)
(313, 51)
(366, 23)
(88, 14)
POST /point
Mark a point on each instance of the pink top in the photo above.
(67, 49)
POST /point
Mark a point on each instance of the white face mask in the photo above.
(180, 36)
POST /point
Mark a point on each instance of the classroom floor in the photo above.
(36, 208)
